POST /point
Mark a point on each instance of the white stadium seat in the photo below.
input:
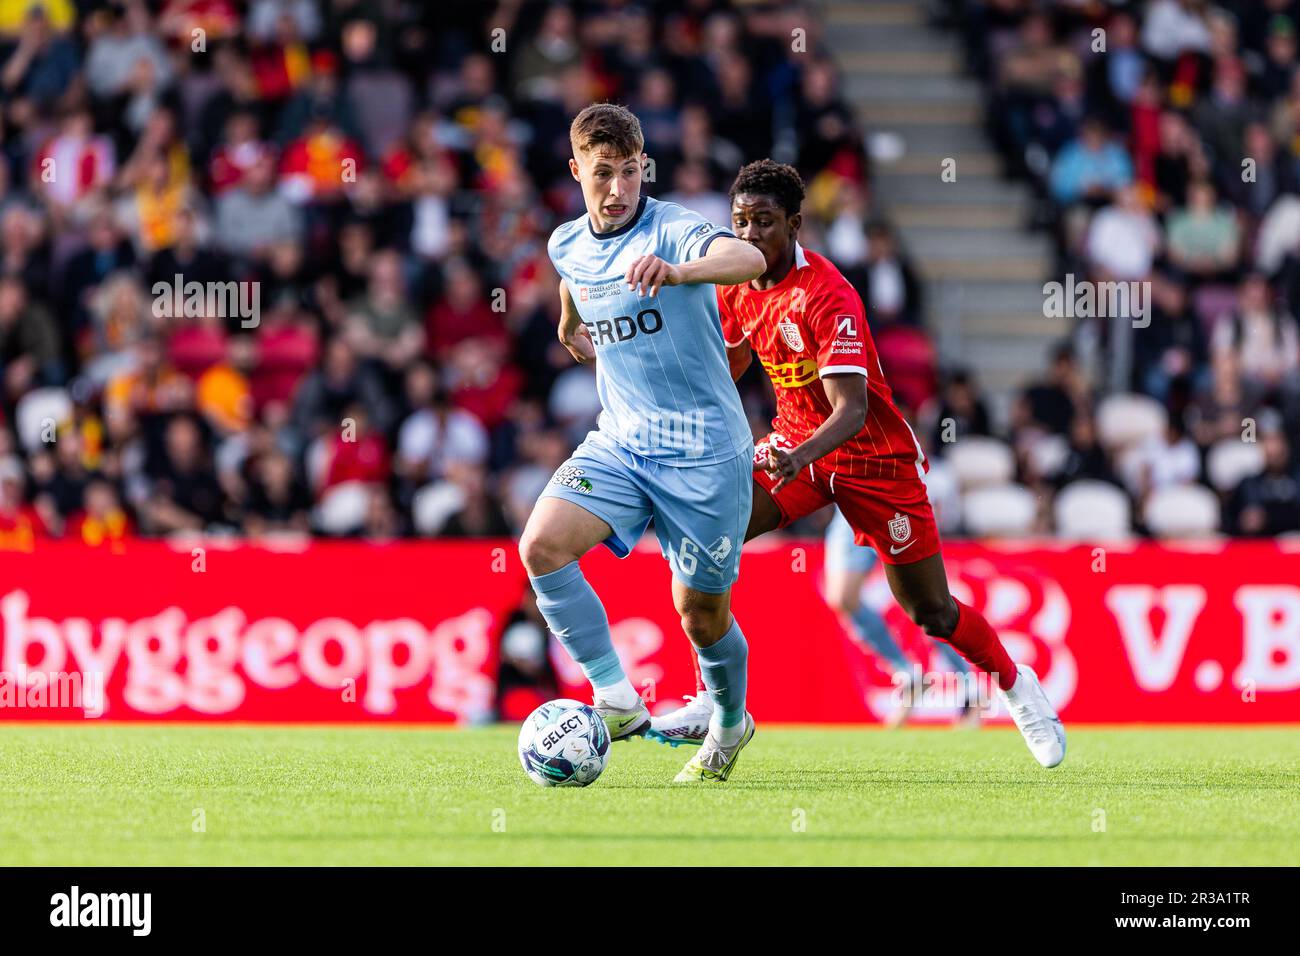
(1182, 511)
(317, 459)
(434, 504)
(1126, 419)
(1093, 510)
(1000, 511)
(343, 508)
(1230, 460)
(37, 409)
(979, 462)
(1048, 454)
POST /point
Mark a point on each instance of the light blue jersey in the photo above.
(672, 444)
(665, 388)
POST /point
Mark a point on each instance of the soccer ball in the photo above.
(563, 743)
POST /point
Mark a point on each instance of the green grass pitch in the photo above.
(91, 794)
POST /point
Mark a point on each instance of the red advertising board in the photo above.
(339, 631)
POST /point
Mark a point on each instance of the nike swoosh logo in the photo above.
(893, 550)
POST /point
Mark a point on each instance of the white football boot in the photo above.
(1033, 714)
(687, 724)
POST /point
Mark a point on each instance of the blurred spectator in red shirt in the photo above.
(239, 152)
(357, 452)
(462, 313)
(20, 523)
(102, 522)
(287, 349)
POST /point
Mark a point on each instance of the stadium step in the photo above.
(911, 112)
(935, 139)
(944, 60)
(989, 296)
(875, 14)
(967, 270)
(982, 267)
(963, 164)
(864, 87)
(988, 243)
(927, 188)
(968, 216)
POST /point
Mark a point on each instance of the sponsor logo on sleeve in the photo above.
(847, 341)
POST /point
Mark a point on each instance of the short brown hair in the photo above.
(606, 124)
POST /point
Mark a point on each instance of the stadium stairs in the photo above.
(983, 269)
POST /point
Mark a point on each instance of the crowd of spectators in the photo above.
(368, 187)
(371, 185)
(1164, 140)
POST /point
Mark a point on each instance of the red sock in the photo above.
(700, 690)
(976, 641)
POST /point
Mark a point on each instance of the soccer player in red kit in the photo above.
(838, 437)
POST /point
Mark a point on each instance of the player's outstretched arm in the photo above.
(728, 261)
(848, 398)
(573, 334)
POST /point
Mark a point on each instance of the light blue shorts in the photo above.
(842, 553)
(700, 511)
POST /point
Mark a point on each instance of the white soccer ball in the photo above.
(563, 743)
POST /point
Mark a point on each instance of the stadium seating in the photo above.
(1230, 460)
(1001, 511)
(1182, 511)
(1093, 510)
(39, 413)
(980, 462)
(1125, 420)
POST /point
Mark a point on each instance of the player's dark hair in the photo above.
(766, 177)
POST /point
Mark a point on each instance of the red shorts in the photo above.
(891, 515)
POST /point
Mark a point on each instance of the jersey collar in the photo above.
(800, 260)
(640, 208)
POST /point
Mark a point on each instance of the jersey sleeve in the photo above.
(838, 323)
(685, 235)
(732, 334)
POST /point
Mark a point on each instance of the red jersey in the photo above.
(812, 323)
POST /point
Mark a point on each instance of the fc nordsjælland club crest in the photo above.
(790, 333)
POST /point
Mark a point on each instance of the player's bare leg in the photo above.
(921, 589)
(723, 660)
(689, 724)
(558, 533)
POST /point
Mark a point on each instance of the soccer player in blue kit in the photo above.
(672, 442)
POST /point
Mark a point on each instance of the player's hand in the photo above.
(577, 339)
(784, 465)
(650, 273)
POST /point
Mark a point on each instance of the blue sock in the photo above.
(723, 666)
(874, 632)
(576, 617)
